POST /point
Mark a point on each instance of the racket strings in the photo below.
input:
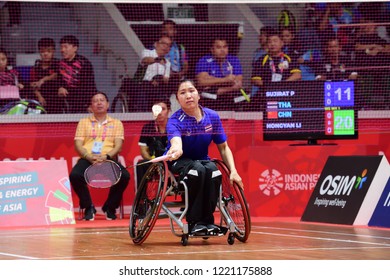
(103, 174)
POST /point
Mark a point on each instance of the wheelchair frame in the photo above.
(158, 184)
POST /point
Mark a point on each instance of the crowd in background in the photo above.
(328, 46)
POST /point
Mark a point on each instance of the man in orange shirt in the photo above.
(98, 138)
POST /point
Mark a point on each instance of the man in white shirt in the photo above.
(155, 62)
(157, 70)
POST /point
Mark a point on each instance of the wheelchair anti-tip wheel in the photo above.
(184, 239)
(230, 239)
(148, 202)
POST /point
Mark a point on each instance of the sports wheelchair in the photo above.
(161, 195)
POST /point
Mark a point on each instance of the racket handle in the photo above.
(160, 158)
(247, 98)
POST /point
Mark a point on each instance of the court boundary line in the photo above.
(165, 228)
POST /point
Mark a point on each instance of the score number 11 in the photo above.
(339, 94)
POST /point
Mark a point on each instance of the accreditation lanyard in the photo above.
(280, 66)
(174, 57)
(229, 68)
(104, 134)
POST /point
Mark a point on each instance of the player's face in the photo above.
(187, 96)
(3, 62)
(220, 49)
(99, 104)
(68, 51)
(47, 54)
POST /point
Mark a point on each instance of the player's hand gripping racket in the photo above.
(107, 173)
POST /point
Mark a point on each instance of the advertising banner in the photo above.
(381, 215)
(35, 193)
(282, 178)
(348, 190)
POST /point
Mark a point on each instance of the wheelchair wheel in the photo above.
(235, 204)
(119, 104)
(148, 202)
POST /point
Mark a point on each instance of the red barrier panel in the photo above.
(253, 156)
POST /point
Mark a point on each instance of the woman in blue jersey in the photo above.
(190, 130)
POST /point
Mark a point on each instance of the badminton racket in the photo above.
(244, 95)
(107, 173)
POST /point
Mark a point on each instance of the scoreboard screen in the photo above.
(310, 110)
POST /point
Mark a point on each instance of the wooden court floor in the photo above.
(270, 239)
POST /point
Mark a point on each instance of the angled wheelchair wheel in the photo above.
(148, 202)
(119, 104)
(234, 203)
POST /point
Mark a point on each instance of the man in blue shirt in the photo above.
(190, 130)
(219, 76)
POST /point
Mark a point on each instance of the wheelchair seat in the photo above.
(162, 194)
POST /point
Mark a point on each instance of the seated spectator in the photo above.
(372, 56)
(286, 19)
(310, 43)
(308, 62)
(370, 48)
(154, 71)
(335, 66)
(9, 77)
(261, 51)
(338, 13)
(99, 137)
(77, 78)
(293, 49)
(275, 66)
(291, 46)
(44, 77)
(177, 55)
(153, 139)
(308, 33)
(219, 76)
